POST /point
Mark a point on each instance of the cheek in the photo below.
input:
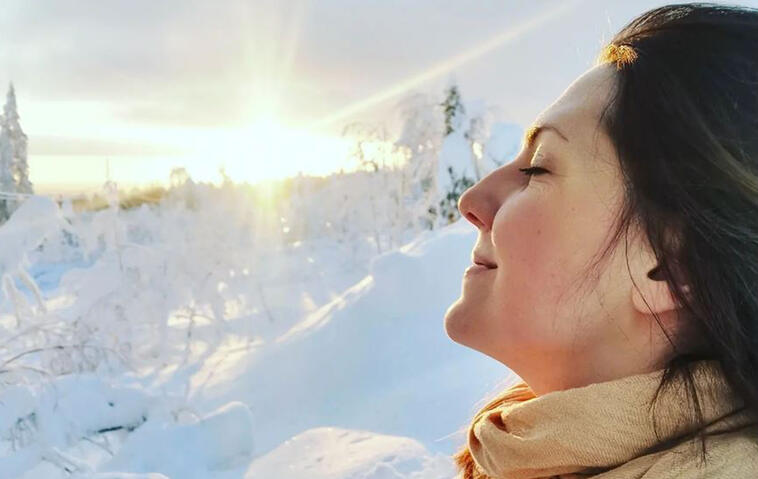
(528, 239)
(539, 248)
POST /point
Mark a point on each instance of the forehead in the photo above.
(577, 110)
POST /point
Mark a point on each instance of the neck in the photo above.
(608, 363)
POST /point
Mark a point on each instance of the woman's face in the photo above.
(541, 233)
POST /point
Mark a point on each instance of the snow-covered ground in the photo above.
(172, 342)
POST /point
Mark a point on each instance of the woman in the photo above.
(617, 265)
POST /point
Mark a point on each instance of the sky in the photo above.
(264, 88)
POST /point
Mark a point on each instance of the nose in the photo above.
(478, 204)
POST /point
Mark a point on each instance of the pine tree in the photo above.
(19, 165)
(14, 167)
(454, 112)
(453, 109)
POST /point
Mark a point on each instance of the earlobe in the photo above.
(657, 297)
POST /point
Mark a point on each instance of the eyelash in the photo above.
(534, 170)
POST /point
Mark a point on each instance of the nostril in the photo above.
(473, 219)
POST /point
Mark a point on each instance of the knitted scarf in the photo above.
(586, 431)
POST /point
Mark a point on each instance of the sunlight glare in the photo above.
(268, 149)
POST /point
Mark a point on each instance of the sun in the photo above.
(268, 149)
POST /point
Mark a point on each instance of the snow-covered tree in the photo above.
(453, 109)
(420, 139)
(457, 166)
(14, 167)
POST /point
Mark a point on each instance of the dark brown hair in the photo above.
(683, 119)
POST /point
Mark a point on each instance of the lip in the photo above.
(477, 259)
(476, 269)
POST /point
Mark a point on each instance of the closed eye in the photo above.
(534, 170)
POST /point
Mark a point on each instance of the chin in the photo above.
(457, 321)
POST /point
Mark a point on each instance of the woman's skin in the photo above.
(541, 232)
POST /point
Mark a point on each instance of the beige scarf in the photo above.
(603, 429)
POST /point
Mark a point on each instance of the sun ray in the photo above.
(447, 65)
(269, 71)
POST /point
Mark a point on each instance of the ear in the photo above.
(653, 294)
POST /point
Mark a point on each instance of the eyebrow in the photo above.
(530, 137)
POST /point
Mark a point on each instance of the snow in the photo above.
(456, 153)
(221, 440)
(376, 357)
(503, 143)
(209, 336)
(362, 454)
(359, 381)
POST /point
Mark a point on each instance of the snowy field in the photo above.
(182, 340)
